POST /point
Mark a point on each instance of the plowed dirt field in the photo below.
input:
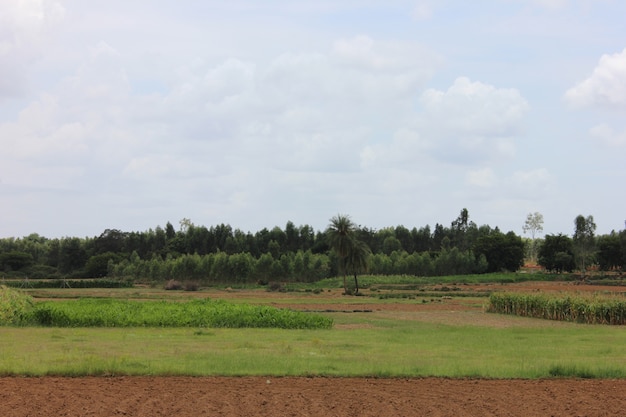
(251, 397)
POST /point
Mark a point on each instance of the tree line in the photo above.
(561, 253)
(221, 253)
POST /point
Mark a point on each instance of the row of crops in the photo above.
(579, 309)
(19, 309)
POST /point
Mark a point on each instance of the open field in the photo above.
(417, 336)
(411, 338)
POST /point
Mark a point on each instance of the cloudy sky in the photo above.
(129, 114)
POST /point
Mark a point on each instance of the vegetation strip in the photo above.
(589, 310)
(19, 309)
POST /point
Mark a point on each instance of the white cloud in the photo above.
(531, 185)
(473, 120)
(605, 87)
(488, 184)
(422, 11)
(404, 150)
(24, 26)
(211, 112)
(606, 135)
(551, 4)
(402, 65)
(484, 177)
(38, 135)
(475, 107)
(298, 113)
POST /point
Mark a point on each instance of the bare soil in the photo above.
(260, 396)
(257, 396)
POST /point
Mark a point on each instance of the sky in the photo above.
(125, 115)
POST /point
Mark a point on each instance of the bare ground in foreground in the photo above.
(259, 396)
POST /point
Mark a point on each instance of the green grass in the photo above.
(388, 347)
(379, 344)
(367, 281)
(195, 313)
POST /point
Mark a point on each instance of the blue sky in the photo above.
(127, 115)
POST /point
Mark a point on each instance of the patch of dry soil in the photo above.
(259, 396)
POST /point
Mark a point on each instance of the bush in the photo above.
(42, 272)
(173, 285)
(276, 287)
(15, 306)
(97, 265)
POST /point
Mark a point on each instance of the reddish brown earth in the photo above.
(259, 396)
(256, 396)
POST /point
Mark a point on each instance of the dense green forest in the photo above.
(221, 254)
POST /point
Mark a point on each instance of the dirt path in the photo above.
(257, 396)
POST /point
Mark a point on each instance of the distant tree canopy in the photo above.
(503, 252)
(557, 253)
(221, 253)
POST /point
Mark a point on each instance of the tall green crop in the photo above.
(14, 306)
(197, 313)
(591, 310)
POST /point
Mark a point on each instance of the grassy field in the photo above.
(395, 339)
(386, 347)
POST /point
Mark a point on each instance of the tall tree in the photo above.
(421, 238)
(404, 236)
(340, 236)
(502, 252)
(292, 237)
(170, 233)
(357, 261)
(459, 230)
(609, 252)
(111, 240)
(533, 225)
(584, 241)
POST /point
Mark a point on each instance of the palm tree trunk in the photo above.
(356, 285)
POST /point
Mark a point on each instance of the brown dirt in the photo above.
(258, 396)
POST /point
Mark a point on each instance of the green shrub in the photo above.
(14, 306)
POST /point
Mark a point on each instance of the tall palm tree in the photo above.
(340, 235)
(357, 261)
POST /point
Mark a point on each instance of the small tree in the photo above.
(584, 241)
(533, 225)
(357, 261)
